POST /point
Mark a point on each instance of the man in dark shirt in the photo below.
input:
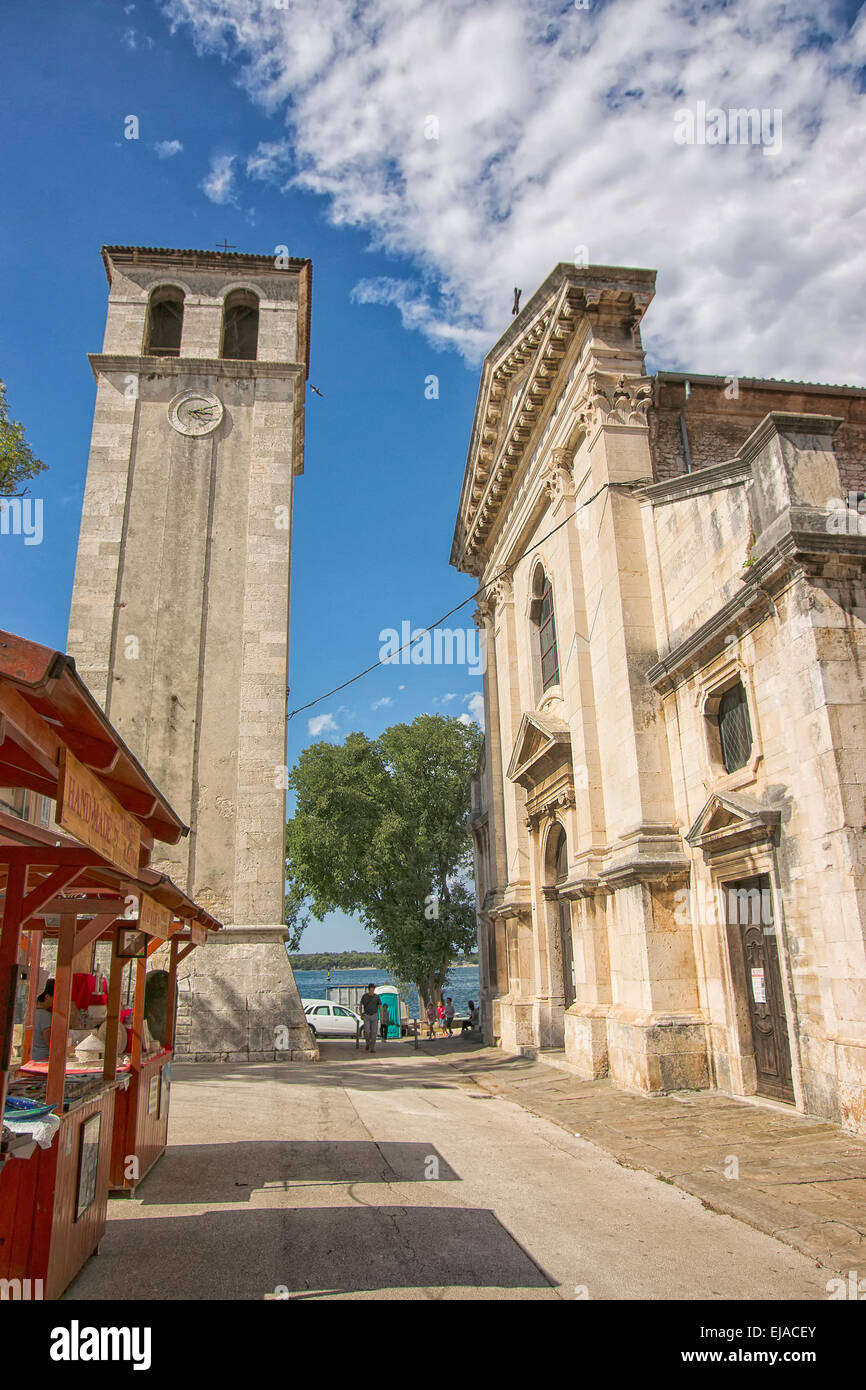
(370, 1006)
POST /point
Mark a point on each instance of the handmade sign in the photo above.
(88, 811)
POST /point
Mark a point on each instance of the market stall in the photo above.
(78, 895)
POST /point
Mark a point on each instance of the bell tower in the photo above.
(180, 608)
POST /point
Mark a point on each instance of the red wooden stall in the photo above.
(83, 881)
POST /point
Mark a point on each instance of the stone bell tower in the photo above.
(179, 621)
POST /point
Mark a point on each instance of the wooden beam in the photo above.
(85, 906)
(140, 967)
(34, 956)
(93, 929)
(112, 1017)
(45, 891)
(56, 856)
(10, 941)
(61, 1011)
(27, 727)
(171, 995)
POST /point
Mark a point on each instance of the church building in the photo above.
(669, 811)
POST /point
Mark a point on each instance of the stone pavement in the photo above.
(397, 1177)
(798, 1179)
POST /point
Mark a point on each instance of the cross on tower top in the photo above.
(225, 246)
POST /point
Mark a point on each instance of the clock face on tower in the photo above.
(195, 413)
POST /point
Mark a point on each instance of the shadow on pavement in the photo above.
(188, 1174)
(350, 1250)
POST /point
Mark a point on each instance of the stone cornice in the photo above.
(191, 366)
(678, 664)
(795, 549)
(731, 473)
(510, 907)
(786, 422)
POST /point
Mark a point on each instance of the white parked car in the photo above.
(328, 1020)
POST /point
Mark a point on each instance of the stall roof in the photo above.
(97, 875)
(49, 683)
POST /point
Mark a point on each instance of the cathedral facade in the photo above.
(669, 812)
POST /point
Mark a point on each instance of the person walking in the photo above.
(449, 1014)
(431, 1018)
(371, 1005)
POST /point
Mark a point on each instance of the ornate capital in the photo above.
(558, 478)
(548, 810)
(615, 400)
(495, 594)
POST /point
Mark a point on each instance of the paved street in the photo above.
(396, 1176)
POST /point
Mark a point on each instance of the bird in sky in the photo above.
(317, 391)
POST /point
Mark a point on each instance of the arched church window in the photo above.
(735, 729)
(542, 614)
(164, 323)
(241, 326)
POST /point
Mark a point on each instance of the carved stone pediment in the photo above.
(520, 374)
(542, 745)
(728, 821)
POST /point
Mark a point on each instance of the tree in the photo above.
(295, 916)
(16, 457)
(380, 829)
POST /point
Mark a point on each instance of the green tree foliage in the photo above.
(295, 915)
(17, 463)
(338, 960)
(380, 830)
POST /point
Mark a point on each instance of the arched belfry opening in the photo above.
(164, 322)
(240, 336)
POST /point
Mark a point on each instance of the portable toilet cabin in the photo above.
(391, 999)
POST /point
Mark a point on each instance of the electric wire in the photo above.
(473, 598)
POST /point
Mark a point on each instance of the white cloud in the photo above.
(446, 699)
(380, 704)
(219, 182)
(130, 38)
(476, 710)
(555, 129)
(166, 149)
(322, 724)
(271, 161)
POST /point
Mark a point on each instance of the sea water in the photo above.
(462, 985)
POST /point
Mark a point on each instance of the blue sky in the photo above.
(308, 123)
(375, 508)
